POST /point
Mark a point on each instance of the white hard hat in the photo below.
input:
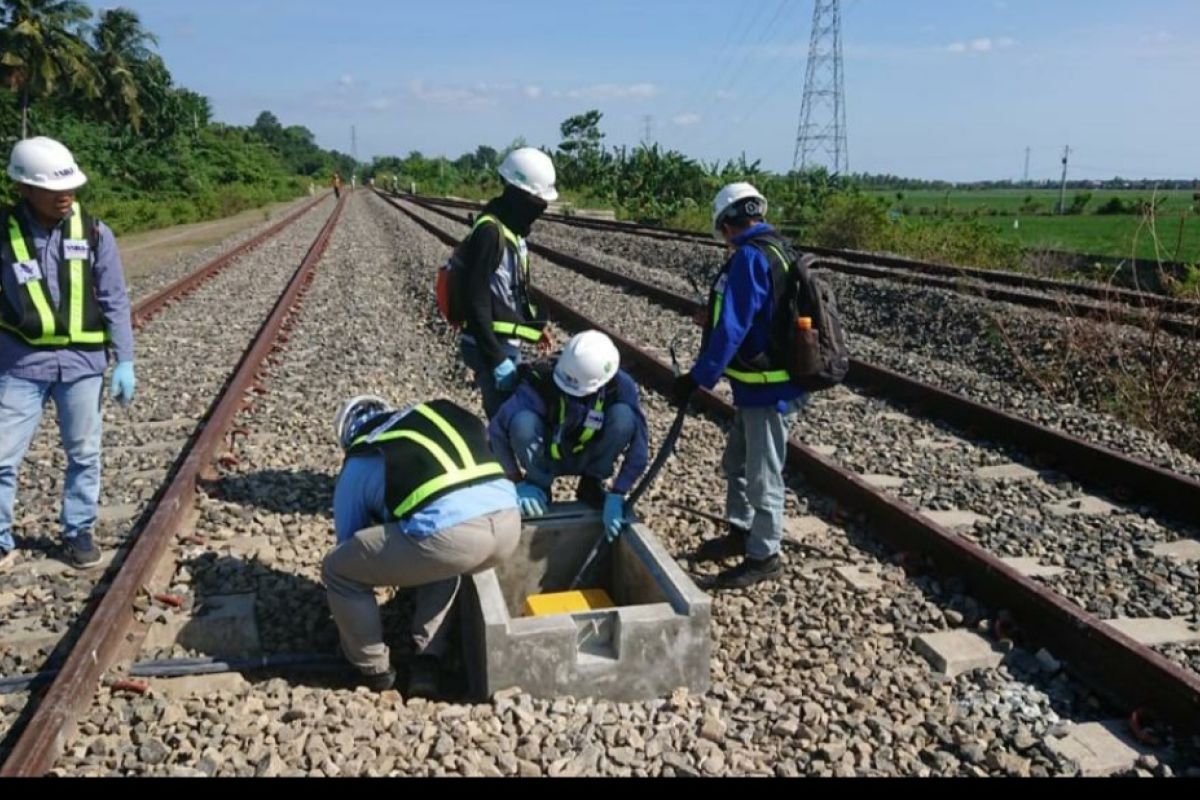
(353, 413)
(46, 164)
(737, 198)
(588, 362)
(532, 171)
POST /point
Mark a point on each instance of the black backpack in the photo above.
(803, 294)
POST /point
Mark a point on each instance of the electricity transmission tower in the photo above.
(821, 138)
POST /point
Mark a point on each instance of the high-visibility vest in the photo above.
(77, 320)
(561, 439)
(762, 370)
(516, 250)
(429, 451)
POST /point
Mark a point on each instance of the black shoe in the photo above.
(747, 573)
(591, 492)
(380, 681)
(730, 545)
(424, 676)
(81, 552)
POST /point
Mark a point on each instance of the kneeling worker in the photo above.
(574, 415)
(420, 502)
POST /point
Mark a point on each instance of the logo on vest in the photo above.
(594, 421)
(76, 249)
(27, 271)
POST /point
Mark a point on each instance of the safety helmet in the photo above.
(354, 413)
(588, 362)
(531, 171)
(737, 201)
(46, 164)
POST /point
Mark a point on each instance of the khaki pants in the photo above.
(383, 556)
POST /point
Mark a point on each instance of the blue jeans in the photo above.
(485, 379)
(753, 464)
(527, 441)
(78, 405)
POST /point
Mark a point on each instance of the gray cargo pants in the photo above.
(753, 464)
(383, 556)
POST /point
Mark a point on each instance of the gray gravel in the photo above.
(1112, 570)
(809, 676)
(184, 355)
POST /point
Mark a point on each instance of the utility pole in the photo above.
(1026, 181)
(821, 138)
(354, 143)
(1062, 192)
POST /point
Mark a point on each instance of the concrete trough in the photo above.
(654, 641)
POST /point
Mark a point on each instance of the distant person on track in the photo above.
(575, 415)
(738, 330)
(337, 185)
(63, 307)
(494, 285)
(420, 502)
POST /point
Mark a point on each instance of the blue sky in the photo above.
(935, 88)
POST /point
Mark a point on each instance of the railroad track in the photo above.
(1086, 300)
(1097, 651)
(184, 381)
(810, 675)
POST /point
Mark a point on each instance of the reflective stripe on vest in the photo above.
(585, 437)
(76, 330)
(460, 471)
(50, 334)
(517, 330)
(752, 377)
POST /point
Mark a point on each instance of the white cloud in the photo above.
(725, 94)
(346, 82)
(481, 94)
(684, 120)
(982, 44)
(380, 104)
(614, 91)
(533, 92)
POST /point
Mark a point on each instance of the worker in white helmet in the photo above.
(63, 310)
(740, 344)
(494, 284)
(574, 415)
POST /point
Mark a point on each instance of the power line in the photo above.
(719, 129)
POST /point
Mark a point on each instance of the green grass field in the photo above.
(1112, 235)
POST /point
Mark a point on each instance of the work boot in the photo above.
(80, 551)
(747, 573)
(590, 492)
(379, 681)
(730, 545)
(423, 676)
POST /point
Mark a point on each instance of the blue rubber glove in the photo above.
(123, 383)
(505, 374)
(532, 499)
(614, 516)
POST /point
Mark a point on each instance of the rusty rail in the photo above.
(1129, 674)
(46, 734)
(1084, 460)
(1139, 311)
(144, 309)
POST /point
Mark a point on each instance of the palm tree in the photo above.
(128, 70)
(41, 47)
